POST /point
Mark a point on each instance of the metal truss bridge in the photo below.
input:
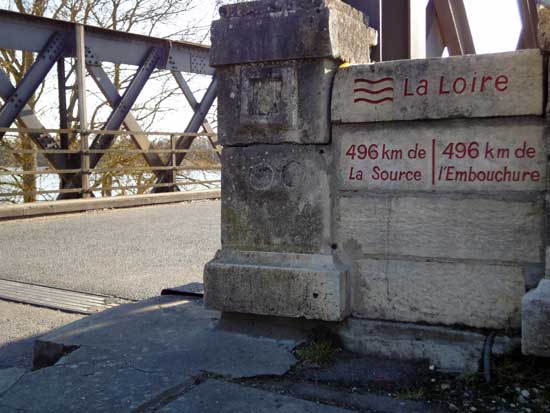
(55, 41)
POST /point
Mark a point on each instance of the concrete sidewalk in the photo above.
(169, 354)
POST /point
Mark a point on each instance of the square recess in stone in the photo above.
(269, 96)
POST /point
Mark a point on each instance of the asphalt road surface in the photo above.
(130, 253)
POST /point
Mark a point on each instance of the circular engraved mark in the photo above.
(261, 177)
(293, 174)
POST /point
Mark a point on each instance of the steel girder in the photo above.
(194, 125)
(29, 120)
(449, 26)
(32, 79)
(199, 116)
(62, 96)
(435, 45)
(113, 97)
(37, 34)
(119, 113)
(188, 93)
(122, 109)
(529, 18)
(392, 21)
(446, 25)
(111, 94)
(25, 32)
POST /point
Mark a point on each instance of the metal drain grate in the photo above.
(58, 299)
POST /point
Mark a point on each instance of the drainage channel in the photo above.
(56, 298)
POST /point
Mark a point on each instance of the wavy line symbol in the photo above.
(376, 92)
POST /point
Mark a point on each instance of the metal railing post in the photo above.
(173, 162)
(85, 164)
(82, 110)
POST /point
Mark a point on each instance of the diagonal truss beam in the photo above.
(198, 117)
(193, 127)
(29, 120)
(529, 20)
(188, 93)
(454, 26)
(113, 97)
(32, 79)
(435, 45)
(120, 111)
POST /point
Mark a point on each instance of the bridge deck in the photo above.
(130, 253)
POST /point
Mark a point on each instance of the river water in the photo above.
(192, 179)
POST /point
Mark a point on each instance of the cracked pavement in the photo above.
(129, 355)
(170, 354)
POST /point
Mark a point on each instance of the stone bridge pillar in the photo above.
(535, 328)
(275, 62)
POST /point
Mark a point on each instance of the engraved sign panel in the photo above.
(450, 155)
(503, 84)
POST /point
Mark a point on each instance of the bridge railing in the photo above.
(129, 167)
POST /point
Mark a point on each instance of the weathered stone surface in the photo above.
(8, 377)
(535, 332)
(276, 60)
(181, 337)
(272, 103)
(287, 285)
(443, 227)
(271, 30)
(474, 295)
(504, 84)
(476, 155)
(96, 383)
(544, 26)
(278, 7)
(446, 348)
(132, 354)
(215, 396)
(276, 198)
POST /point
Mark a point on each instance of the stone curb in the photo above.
(80, 205)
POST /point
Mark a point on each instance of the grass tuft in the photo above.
(411, 394)
(321, 352)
